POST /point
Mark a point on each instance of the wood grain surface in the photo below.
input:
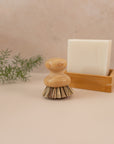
(92, 82)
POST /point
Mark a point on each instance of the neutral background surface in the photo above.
(43, 26)
(28, 118)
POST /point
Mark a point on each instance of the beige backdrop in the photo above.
(43, 26)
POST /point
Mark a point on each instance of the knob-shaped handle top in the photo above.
(56, 64)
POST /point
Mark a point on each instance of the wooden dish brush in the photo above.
(57, 83)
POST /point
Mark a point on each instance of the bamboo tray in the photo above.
(93, 82)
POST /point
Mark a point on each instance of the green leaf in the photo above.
(16, 67)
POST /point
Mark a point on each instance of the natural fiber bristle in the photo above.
(57, 93)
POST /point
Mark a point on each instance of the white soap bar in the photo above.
(89, 56)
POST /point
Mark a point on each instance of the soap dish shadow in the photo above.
(85, 94)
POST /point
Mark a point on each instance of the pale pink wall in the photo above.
(43, 26)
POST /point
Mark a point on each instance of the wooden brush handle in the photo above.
(57, 78)
(56, 64)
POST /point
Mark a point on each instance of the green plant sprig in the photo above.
(16, 68)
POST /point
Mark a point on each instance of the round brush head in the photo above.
(57, 83)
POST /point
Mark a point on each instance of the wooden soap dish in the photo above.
(92, 82)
